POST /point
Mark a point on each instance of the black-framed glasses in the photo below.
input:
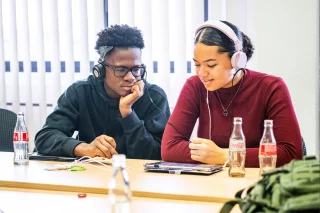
(120, 71)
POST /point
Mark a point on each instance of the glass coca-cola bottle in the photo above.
(21, 142)
(119, 187)
(237, 150)
(268, 148)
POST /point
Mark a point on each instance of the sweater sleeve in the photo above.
(55, 136)
(175, 142)
(143, 137)
(279, 108)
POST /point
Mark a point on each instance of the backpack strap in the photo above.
(228, 206)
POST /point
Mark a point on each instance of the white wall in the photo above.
(286, 37)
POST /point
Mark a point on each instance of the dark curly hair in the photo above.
(213, 37)
(121, 36)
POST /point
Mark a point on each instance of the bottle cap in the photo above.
(119, 160)
(237, 120)
(82, 195)
(268, 122)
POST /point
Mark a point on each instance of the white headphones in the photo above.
(239, 58)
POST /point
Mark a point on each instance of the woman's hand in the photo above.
(206, 151)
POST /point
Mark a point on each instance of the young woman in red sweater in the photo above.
(223, 89)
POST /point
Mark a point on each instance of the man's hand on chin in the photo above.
(126, 102)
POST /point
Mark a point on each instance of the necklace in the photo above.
(225, 110)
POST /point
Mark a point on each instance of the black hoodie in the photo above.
(85, 107)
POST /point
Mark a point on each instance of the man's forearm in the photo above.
(79, 150)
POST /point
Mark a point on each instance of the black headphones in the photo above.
(99, 71)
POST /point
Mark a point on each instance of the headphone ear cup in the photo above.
(239, 60)
(145, 73)
(98, 71)
(142, 77)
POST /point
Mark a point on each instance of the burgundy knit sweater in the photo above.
(260, 97)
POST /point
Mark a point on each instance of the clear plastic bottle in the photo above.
(21, 141)
(119, 187)
(268, 148)
(237, 150)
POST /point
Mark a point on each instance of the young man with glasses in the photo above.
(114, 110)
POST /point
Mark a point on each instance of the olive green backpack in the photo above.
(294, 187)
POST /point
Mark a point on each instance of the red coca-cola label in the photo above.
(23, 137)
(237, 146)
(268, 149)
(15, 136)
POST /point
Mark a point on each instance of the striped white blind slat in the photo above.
(95, 25)
(68, 36)
(83, 39)
(24, 48)
(13, 56)
(127, 12)
(41, 93)
(2, 65)
(98, 18)
(194, 17)
(53, 45)
(113, 12)
(98, 25)
(177, 48)
(142, 17)
(160, 45)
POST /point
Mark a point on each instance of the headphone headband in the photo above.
(239, 58)
(225, 29)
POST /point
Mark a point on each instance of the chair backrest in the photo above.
(8, 121)
(304, 148)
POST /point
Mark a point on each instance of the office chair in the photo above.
(304, 148)
(8, 121)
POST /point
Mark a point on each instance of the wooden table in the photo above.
(218, 187)
(38, 201)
